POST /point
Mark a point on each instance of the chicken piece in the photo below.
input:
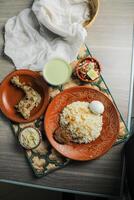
(62, 136)
(32, 98)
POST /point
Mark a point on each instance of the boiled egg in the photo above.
(96, 107)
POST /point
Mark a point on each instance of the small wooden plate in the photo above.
(10, 95)
(109, 131)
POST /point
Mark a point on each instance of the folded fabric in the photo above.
(50, 29)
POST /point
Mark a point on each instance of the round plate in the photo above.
(109, 131)
(10, 95)
(90, 59)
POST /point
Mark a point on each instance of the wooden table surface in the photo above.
(110, 41)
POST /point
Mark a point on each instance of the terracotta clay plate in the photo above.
(11, 95)
(109, 131)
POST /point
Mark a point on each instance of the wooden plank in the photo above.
(110, 40)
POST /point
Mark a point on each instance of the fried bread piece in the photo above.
(32, 98)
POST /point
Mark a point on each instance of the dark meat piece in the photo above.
(62, 136)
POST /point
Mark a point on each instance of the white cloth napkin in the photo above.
(52, 28)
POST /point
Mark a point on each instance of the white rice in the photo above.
(83, 125)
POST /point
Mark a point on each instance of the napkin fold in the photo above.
(49, 29)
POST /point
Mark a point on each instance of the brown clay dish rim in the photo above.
(58, 146)
(34, 75)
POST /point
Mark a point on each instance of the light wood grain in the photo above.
(110, 40)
